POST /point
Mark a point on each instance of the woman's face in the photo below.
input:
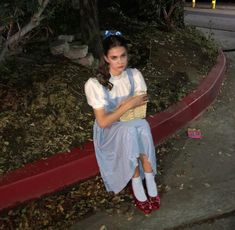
(117, 60)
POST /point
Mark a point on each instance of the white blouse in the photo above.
(121, 87)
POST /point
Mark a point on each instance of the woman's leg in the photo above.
(140, 198)
(137, 186)
(149, 177)
(146, 164)
(137, 172)
(141, 201)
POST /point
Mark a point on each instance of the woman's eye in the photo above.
(114, 58)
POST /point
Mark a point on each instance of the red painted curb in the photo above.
(166, 123)
(51, 174)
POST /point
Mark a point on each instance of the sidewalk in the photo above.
(200, 174)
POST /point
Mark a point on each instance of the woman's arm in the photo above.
(105, 119)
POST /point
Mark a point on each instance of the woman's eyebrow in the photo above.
(112, 56)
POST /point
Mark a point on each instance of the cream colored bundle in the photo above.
(137, 112)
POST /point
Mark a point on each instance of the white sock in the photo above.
(151, 184)
(138, 189)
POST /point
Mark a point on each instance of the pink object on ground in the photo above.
(194, 133)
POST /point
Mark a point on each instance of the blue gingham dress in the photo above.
(118, 146)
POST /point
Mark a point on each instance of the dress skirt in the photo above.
(117, 149)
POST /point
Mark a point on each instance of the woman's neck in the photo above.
(116, 73)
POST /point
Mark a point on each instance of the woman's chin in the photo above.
(121, 69)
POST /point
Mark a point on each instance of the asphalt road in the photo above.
(219, 24)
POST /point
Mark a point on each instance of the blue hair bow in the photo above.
(108, 33)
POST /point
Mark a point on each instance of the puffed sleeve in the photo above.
(140, 84)
(94, 93)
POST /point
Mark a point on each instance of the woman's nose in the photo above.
(121, 60)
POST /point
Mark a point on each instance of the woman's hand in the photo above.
(132, 102)
(105, 119)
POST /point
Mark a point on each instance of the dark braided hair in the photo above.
(103, 74)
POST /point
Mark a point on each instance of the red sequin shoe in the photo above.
(155, 202)
(143, 206)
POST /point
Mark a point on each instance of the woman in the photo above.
(124, 150)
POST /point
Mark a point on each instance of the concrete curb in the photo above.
(63, 169)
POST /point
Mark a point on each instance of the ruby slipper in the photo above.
(143, 206)
(155, 202)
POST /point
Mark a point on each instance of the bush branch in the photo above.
(34, 22)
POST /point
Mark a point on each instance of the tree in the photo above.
(169, 8)
(165, 13)
(90, 26)
(18, 18)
